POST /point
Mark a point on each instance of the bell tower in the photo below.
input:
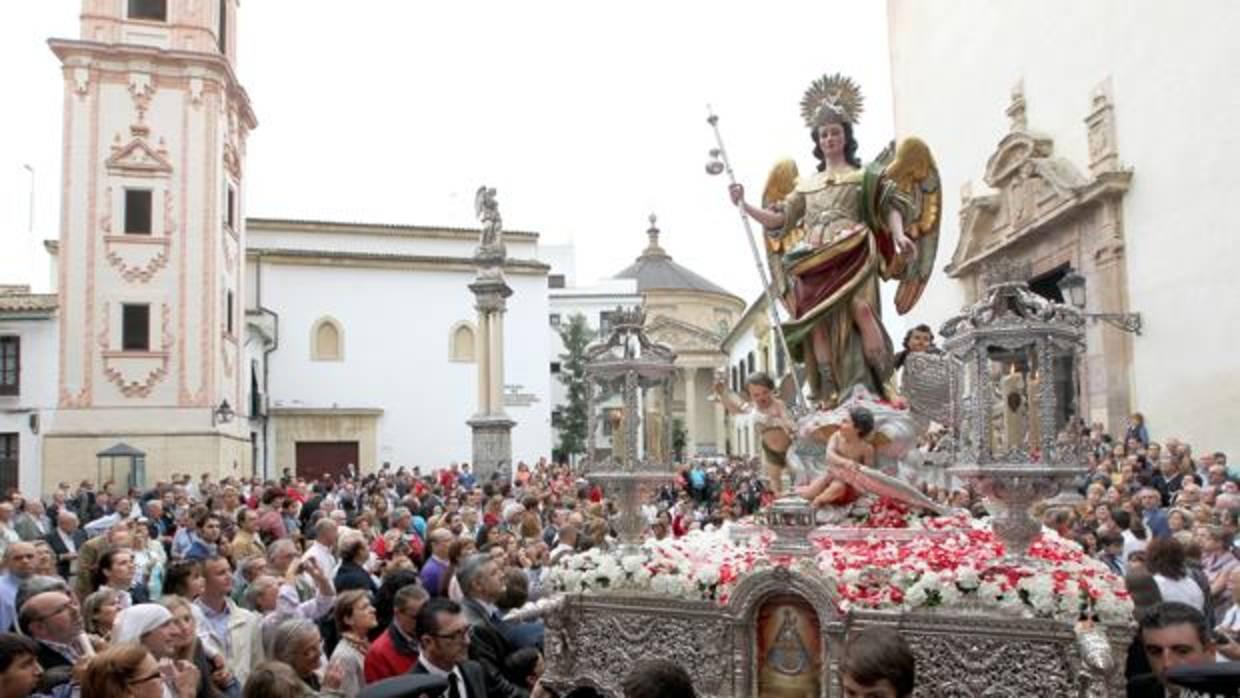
(152, 242)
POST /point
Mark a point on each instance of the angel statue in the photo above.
(833, 235)
(491, 246)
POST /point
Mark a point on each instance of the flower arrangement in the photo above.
(962, 567)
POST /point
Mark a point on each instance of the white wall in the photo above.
(1174, 67)
(738, 346)
(39, 342)
(396, 341)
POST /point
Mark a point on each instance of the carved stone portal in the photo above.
(1045, 213)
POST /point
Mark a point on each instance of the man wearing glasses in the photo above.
(444, 636)
(54, 620)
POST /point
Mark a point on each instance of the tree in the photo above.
(680, 439)
(576, 336)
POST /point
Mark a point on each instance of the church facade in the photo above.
(1068, 145)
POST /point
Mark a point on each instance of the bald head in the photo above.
(51, 615)
(67, 521)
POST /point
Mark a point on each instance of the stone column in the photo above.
(491, 426)
(690, 375)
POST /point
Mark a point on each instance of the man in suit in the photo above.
(53, 620)
(1172, 635)
(444, 636)
(32, 523)
(65, 540)
(482, 582)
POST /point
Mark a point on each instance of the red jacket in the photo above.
(391, 654)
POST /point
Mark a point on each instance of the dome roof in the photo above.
(654, 270)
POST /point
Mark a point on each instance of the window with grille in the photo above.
(10, 365)
(8, 461)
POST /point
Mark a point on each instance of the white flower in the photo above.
(989, 591)
(916, 596)
(967, 577)
(949, 595)
(632, 563)
(708, 575)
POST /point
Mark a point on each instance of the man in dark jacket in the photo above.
(65, 540)
(482, 581)
(444, 635)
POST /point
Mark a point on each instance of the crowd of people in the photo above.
(204, 588)
(237, 587)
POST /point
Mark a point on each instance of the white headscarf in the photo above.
(134, 622)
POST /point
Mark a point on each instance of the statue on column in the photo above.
(491, 245)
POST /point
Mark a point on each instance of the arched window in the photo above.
(461, 343)
(327, 340)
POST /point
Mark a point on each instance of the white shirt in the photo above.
(67, 539)
(1132, 544)
(456, 671)
(322, 555)
(1184, 590)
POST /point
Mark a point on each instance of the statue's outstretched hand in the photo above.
(737, 192)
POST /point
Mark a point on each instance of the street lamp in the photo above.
(222, 414)
(1072, 286)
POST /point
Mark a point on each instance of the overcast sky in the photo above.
(586, 116)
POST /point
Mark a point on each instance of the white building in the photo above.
(594, 302)
(28, 354)
(371, 359)
(1100, 138)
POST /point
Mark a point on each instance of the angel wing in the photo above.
(915, 174)
(779, 183)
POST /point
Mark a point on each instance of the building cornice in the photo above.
(297, 225)
(657, 293)
(123, 58)
(327, 411)
(380, 260)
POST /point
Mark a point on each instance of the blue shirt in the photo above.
(8, 601)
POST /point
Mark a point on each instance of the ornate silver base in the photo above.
(593, 641)
(492, 437)
(792, 520)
